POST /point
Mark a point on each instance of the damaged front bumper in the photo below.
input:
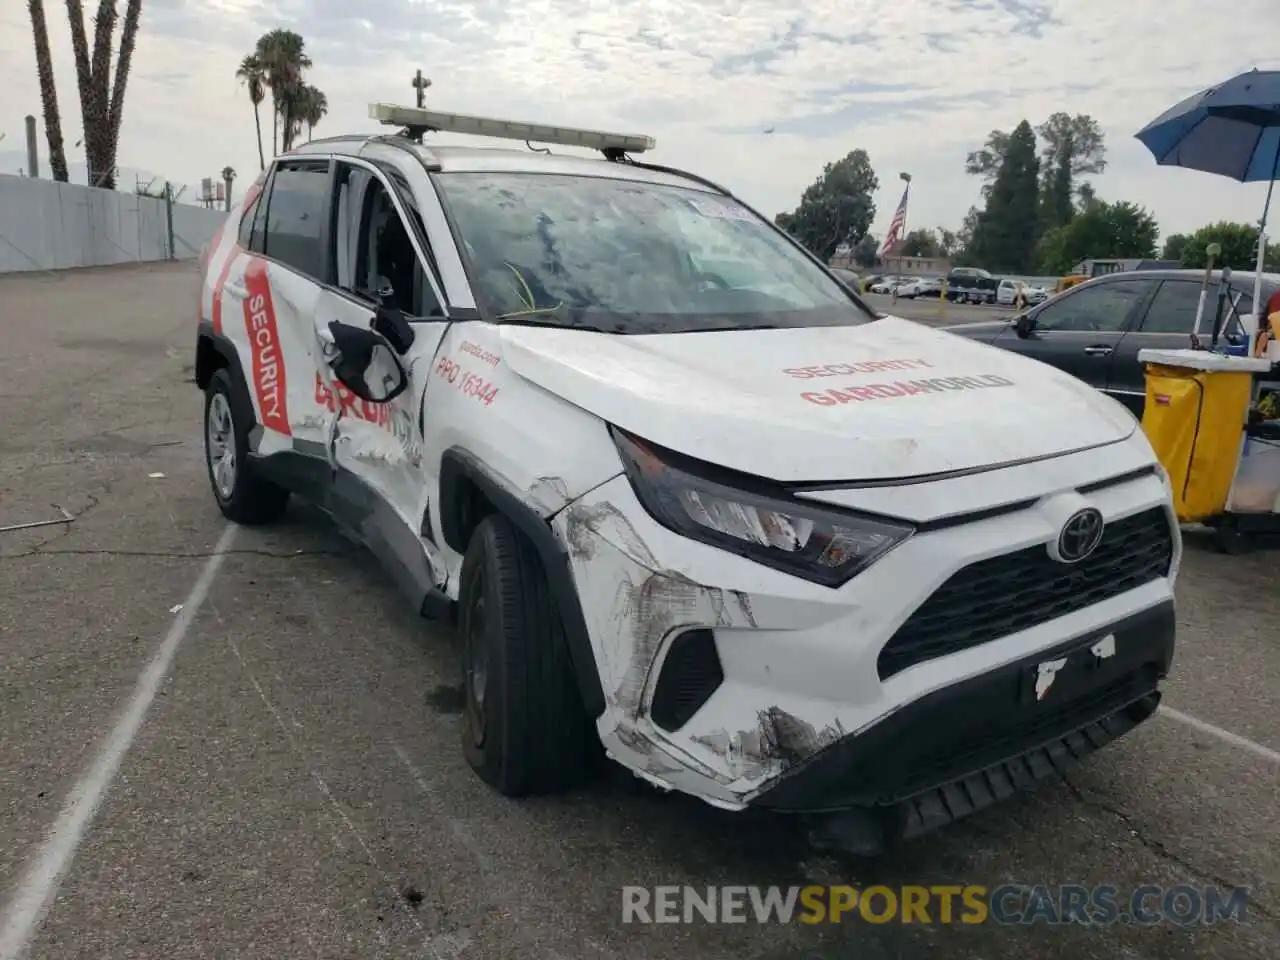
(765, 690)
(966, 747)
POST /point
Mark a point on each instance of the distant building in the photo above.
(902, 266)
(1097, 268)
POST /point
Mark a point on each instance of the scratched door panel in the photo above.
(275, 319)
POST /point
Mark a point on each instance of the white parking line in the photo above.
(36, 890)
(1226, 736)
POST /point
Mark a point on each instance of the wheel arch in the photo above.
(215, 351)
(468, 493)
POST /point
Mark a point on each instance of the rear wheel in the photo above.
(242, 495)
(525, 730)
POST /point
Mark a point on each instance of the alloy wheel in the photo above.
(221, 435)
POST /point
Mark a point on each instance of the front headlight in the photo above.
(822, 545)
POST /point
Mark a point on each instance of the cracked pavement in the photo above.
(297, 788)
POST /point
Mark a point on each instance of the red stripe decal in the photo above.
(222, 282)
(264, 342)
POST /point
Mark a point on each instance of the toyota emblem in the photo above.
(1080, 535)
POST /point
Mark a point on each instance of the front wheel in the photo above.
(242, 495)
(525, 730)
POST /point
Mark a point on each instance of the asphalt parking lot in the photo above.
(242, 744)
(938, 313)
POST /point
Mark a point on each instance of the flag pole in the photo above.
(905, 194)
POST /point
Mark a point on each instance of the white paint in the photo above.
(758, 400)
(1226, 736)
(36, 890)
(83, 227)
(1045, 674)
(1104, 648)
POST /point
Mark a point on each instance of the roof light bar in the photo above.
(417, 118)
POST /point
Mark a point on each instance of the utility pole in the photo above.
(33, 158)
(420, 84)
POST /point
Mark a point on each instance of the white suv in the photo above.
(765, 546)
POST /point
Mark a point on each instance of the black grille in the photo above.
(691, 673)
(996, 597)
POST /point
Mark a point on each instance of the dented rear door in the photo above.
(271, 294)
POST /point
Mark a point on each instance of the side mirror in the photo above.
(390, 322)
(366, 363)
(1024, 324)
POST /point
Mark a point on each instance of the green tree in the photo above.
(985, 163)
(282, 55)
(1105, 230)
(1239, 247)
(1071, 147)
(963, 253)
(48, 92)
(1173, 247)
(837, 208)
(866, 253)
(921, 243)
(1007, 231)
(101, 96)
(254, 77)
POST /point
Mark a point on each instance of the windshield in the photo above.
(627, 257)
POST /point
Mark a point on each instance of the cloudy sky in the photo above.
(916, 83)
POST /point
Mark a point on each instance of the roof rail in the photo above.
(417, 120)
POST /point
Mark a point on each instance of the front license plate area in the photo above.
(1070, 674)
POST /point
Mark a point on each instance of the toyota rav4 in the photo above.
(685, 495)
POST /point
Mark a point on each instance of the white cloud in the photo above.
(916, 83)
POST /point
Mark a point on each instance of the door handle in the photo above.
(235, 290)
(1099, 351)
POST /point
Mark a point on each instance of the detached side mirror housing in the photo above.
(366, 363)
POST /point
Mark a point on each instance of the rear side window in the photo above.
(245, 237)
(1173, 308)
(295, 215)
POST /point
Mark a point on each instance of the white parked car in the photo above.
(887, 285)
(1007, 293)
(921, 287)
(754, 541)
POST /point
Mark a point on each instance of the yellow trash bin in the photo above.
(1194, 418)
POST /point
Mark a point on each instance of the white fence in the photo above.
(47, 225)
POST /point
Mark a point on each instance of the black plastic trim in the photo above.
(223, 347)
(689, 674)
(970, 727)
(457, 465)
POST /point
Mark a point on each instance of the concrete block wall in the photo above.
(47, 225)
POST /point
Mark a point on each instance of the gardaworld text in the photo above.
(905, 388)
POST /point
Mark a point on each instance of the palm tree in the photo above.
(315, 105)
(283, 60)
(254, 77)
(101, 100)
(128, 39)
(48, 92)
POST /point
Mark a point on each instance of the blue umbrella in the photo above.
(1233, 130)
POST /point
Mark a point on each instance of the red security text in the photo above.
(466, 383)
(847, 369)
(264, 346)
(905, 388)
(341, 398)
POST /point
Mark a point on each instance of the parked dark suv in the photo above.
(1095, 330)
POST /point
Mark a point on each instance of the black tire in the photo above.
(248, 499)
(525, 730)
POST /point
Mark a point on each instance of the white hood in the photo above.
(885, 400)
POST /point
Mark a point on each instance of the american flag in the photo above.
(895, 227)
